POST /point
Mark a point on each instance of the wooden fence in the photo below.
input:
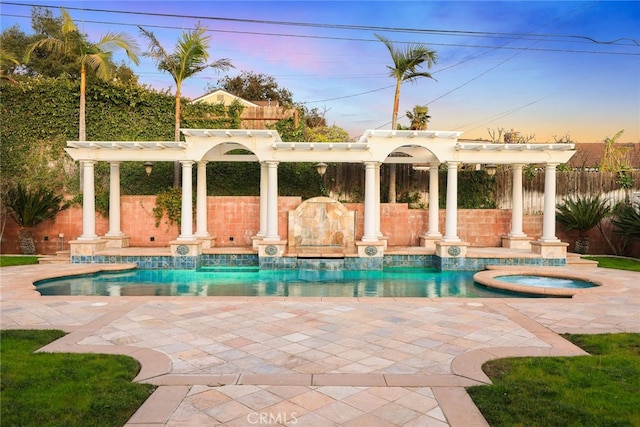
(568, 184)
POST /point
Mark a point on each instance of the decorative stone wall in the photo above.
(321, 221)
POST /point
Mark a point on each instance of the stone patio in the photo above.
(315, 361)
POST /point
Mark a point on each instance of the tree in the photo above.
(188, 58)
(96, 57)
(405, 68)
(30, 208)
(255, 87)
(6, 61)
(582, 214)
(419, 117)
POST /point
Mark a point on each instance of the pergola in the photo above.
(372, 149)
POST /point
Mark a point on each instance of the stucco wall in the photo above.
(234, 220)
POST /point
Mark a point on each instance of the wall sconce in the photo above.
(321, 168)
(148, 167)
(491, 169)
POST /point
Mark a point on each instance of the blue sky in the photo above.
(543, 68)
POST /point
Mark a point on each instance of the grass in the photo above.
(64, 389)
(7, 260)
(598, 390)
(616, 262)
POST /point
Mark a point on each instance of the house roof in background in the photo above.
(591, 154)
(212, 97)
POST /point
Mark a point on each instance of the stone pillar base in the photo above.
(87, 247)
(117, 241)
(371, 249)
(550, 249)
(516, 242)
(255, 240)
(429, 242)
(451, 249)
(271, 249)
(208, 242)
(186, 247)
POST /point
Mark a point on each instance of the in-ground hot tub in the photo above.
(536, 281)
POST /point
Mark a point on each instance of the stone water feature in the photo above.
(321, 222)
(321, 230)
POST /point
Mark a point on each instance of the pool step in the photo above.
(575, 260)
(229, 269)
(61, 257)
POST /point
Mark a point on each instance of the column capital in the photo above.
(187, 162)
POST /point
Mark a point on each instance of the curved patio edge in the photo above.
(469, 364)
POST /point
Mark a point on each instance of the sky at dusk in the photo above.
(542, 68)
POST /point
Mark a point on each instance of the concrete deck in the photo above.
(242, 361)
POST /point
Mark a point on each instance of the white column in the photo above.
(88, 201)
(114, 200)
(186, 229)
(377, 202)
(516, 208)
(370, 232)
(201, 200)
(264, 185)
(549, 210)
(272, 202)
(451, 226)
(434, 210)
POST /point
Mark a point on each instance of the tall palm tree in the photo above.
(405, 68)
(95, 57)
(188, 58)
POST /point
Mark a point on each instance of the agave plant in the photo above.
(29, 208)
(582, 214)
(627, 220)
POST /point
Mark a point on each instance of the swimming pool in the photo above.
(393, 282)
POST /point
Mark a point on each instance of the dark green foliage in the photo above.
(29, 208)
(62, 389)
(255, 87)
(598, 390)
(476, 190)
(169, 204)
(627, 220)
(33, 139)
(582, 214)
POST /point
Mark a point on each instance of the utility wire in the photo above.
(465, 33)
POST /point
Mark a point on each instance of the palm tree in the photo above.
(188, 58)
(96, 57)
(419, 117)
(30, 208)
(582, 214)
(7, 59)
(405, 68)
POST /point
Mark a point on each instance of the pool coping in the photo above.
(488, 278)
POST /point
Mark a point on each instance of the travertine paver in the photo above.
(314, 362)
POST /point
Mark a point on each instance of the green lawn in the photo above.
(598, 390)
(615, 262)
(8, 260)
(64, 389)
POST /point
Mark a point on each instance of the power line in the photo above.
(465, 33)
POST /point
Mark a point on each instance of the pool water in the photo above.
(396, 282)
(546, 282)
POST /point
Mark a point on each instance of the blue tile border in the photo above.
(293, 263)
